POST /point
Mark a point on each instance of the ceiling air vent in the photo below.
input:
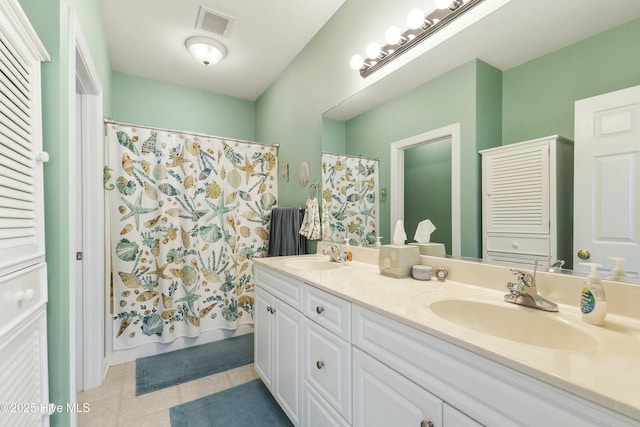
(213, 22)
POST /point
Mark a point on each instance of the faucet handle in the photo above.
(524, 278)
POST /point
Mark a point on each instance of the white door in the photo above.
(607, 177)
(79, 215)
(263, 336)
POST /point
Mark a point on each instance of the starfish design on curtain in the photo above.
(219, 209)
(135, 210)
(248, 168)
(190, 297)
(178, 160)
(159, 271)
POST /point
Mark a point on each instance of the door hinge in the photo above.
(78, 256)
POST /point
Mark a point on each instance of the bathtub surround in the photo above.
(181, 366)
(188, 215)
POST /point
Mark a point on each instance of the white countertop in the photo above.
(606, 370)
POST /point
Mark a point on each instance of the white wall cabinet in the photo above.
(24, 384)
(527, 197)
(278, 351)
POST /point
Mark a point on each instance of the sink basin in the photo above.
(520, 324)
(311, 264)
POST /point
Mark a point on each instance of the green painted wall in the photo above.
(51, 21)
(539, 96)
(334, 136)
(155, 103)
(427, 190)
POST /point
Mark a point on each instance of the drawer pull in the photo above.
(319, 364)
(426, 423)
(25, 295)
(515, 245)
(319, 309)
(271, 309)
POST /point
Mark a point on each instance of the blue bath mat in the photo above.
(246, 405)
(176, 367)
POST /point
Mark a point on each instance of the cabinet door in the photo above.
(516, 189)
(263, 337)
(451, 417)
(382, 397)
(317, 413)
(287, 381)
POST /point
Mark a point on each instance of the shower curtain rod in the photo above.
(108, 120)
(356, 156)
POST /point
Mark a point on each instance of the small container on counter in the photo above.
(421, 272)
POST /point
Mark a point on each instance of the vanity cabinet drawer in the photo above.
(519, 244)
(328, 310)
(327, 367)
(279, 285)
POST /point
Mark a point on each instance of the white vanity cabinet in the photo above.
(327, 356)
(278, 339)
(527, 198)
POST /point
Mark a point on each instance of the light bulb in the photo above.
(373, 50)
(393, 35)
(442, 4)
(357, 62)
(415, 19)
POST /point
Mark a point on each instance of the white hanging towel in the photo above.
(311, 222)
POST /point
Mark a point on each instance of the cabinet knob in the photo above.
(271, 309)
(319, 309)
(426, 423)
(319, 364)
(515, 245)
(42, 157)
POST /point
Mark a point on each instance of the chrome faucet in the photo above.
(334, 255)
(523, 291)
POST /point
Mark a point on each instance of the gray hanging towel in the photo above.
(284, 233)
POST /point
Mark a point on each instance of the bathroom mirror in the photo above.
(377, 98)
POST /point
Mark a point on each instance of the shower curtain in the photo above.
(188, 214)
(349, 196)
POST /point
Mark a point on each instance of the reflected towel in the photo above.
(311, 222)
(284, 236)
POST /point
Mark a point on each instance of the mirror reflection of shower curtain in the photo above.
(188, 216)
(350, 198)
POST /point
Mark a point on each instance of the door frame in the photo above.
(83, 74)
(397, 177)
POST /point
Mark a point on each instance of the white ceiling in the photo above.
(146, 38)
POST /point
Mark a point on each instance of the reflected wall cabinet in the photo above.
(527, 202)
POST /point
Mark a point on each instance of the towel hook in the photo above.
(314, 185)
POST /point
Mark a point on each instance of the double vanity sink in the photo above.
(598, 364)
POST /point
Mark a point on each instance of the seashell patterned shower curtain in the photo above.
(349, 198)
(188, 214)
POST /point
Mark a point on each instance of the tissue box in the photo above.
(397, 260)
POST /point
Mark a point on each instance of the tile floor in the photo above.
(115, 404)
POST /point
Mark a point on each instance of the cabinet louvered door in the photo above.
(23, 273)
(21, 219)
(517, 190)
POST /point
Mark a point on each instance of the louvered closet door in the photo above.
(20, 241)
(517, 190)
(23, 273)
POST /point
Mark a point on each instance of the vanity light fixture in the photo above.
(421, 26)
(205, 50)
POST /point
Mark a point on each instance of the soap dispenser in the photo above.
(616, 272)
(348, 255)
(593, 302)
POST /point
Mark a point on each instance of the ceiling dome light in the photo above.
(357, 62)
(415, 19)
(442, 4)
(205, 50)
